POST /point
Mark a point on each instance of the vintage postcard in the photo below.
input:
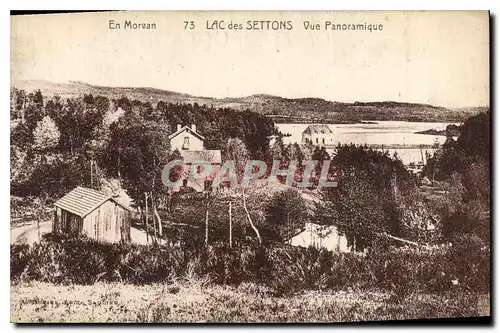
(250, 167)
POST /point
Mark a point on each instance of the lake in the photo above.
(381, 133)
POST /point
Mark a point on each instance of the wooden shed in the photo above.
(88, 212)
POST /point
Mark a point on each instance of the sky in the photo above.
(439, 58)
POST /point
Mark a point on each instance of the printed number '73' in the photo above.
(188, 25)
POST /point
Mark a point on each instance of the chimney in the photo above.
(193, 127)
(179, 127)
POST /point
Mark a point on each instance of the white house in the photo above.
(320, 237)
(190, 144)
(186, 138)
(318, 135)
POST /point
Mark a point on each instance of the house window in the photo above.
(323, 140)
(317, 140)
(186, 143)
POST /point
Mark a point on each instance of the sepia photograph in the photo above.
(250, 167)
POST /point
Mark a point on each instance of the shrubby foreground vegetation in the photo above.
(284, 269)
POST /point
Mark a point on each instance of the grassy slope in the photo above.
(195, 302)
(299, 109)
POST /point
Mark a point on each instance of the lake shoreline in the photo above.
(394, 136)
(280, 120)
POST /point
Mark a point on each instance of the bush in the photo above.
(284, 269)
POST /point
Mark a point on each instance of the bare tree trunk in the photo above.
(288, 227)
(23, 108)
(230, 226)
(155, 238)
(91, 176)
(395, 187)
(118, 169)
(38, 226)
(141, 215)
(146, 216)
(206, 223)
(160, 227)
(39, 214)
(384, 234)
(248, 216)
(169, 199)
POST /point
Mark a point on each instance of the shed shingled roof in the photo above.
(317, 129)
(81, 201)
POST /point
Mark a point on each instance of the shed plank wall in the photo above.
(109, 222)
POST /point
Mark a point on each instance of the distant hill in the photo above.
(279, 108)
(76, 88)
(318, 109)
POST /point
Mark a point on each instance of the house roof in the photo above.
(201, 156)
(317, 129)
(81, 201)
(185, 128)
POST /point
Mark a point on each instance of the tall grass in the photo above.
(284, 269)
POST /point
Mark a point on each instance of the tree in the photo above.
(320, 154)
(463, 165)
(20, 168)
(46, 135)
(365, 203)
(473, 145)
(22, 136)
(15, 109)
(237, 151)
(465, 207)
(277, 149)
(286, 211)
(77, 121)
(136, 153)
(88, 99)
(33, 109)
(474, 140)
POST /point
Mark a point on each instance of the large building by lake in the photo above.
(319, 135)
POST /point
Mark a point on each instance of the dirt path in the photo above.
(138, 236)
(28, 234)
